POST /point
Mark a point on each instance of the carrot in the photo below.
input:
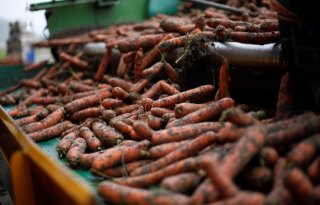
(161, 150)
(258, 178)
(243, 198)
(205, 192)
(124, 154)
(86, 101)
(10, 89)
(237, 117)
(159, 112)
(129, 57)
(104, 64)
(146, 180)
(120, 126)
(86, 113)
(45, 100)
(77, 148)
(118, 82)
(145, 42)
(153, 91)
(30, 83)
(127, 109)
(170, 71)
(222, 182)
(107, 115)
(35, 65)
(128, 143)
(184, 96)
(189, 131)
(120, 94)
(152, 71)
(169, 89)
(298, 184)
(182, 152)
(50, 132)
(140, 85)
(138, 65)
(297, 130)
(211, 111)
(183, 109)
(285, 98)
(49, 121)
(114, 193)
(94, 144)
(153, 122)
(254, 38)
(76, 61)
(146, 103)
(124, 169)
(121, 66)
(79, 87)
(34, 117)
(64, 145)
(142, 129)
(224, 81)
(110, 103)
(314, 170)
(268, 156)
(181, 183)
(107, 135)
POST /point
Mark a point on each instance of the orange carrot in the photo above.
(127, 109)
(161, 150)
(285, 98)
(77, 148)
(138, 65)
(64, 145)
(153, 70)
(94, 144)
(140, 85)
(314, 170)
(144, 42)
(211, 111)
(170, 71)
(258, 178)
(182, 109)
(118, 82)
(169, 89)
(146, 103)
(142, 129)
(120, 126)
(107, 135)
(181, 183)
(224, 81)
(243, 198)
(159, 112)
(104, 64)
(86, 113)
(124, 169)
(153, 91)
(79, 87)
(76, 61)
(110, 103)
(237, 117)
(107, 115)
(268, 156)
(153, 122)
(35, 65)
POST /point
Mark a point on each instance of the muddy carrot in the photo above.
(80, 115)
(153, 91)
(314, 170)
(107, 115)
(30, 83)
(124, 154)
(86, 102)
(120, 126)
(104, 64)
(138, 65)
(124, 169)
(183, 109)
(159, 112)
(49, 121)
(111, 103)
(129, 57)
(153, 70)
(255, 38)
(77, 148)
(79, 87)
(161, 150)
(128, 143)
(127, 109)
(34, 117)
(285, 98)
(298, 184)
(118, 82)
(268, 156)
(64, 145)
(142, 129)
(167, 88)
(146, 103)
(50, 132)
(170, 71)
(243, 198)
(121, 66)
(181, 183)
(140, 85)
(224, 81)
(258, 178)
(107, 135)
(120, 94)
(184, 96)
(35, 65)
(211, 111)
(189, 131)
(94, 144)
(145, 42)
(237, 117)
(10, 89)
(186, 150)
(114, 193)
(205, 192)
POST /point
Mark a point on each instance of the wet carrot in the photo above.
(64, 145)
(77, 148)
(159, 112)
(161, 150)
(87, 101)
(124, 169)
(48, 121)
(170, 71)
(184, 151)
(314, 170)
(140, 85)
(153, 70)
(298, 184)
(104, 64)
(50, 132)
(124, 154)
(211, 111)
(144, 42)
(80, 115)
(255, 38)
(285, 98)
(107, 135)
(138, 65)
(183, 109)
(94, 144)
(181, 183)
(114, 193)
(184, 96)
(189, 131)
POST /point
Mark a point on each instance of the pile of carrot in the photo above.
(132, 125)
